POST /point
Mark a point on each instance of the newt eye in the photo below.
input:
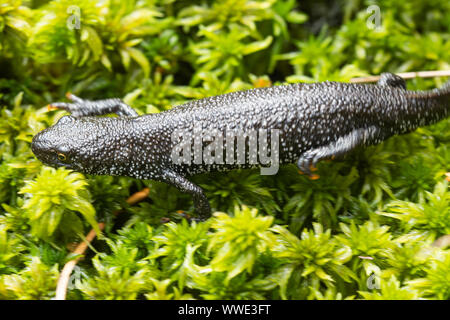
(61, 156)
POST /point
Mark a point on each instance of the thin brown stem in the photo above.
(64, 277)
(406, 75)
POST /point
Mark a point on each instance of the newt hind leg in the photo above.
(358, 137)
(82, 107)
(391, 80)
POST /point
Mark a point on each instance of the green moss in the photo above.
(364, 230)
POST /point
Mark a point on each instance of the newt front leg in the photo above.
(83, 107)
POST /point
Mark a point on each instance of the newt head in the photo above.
(54, 146)
(92, 145)
(80, 144)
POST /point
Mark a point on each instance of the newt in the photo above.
(312, 122)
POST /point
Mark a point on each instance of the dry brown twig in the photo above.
(64, 277)
(406, 75)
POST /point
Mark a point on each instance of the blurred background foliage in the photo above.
(364, 230)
